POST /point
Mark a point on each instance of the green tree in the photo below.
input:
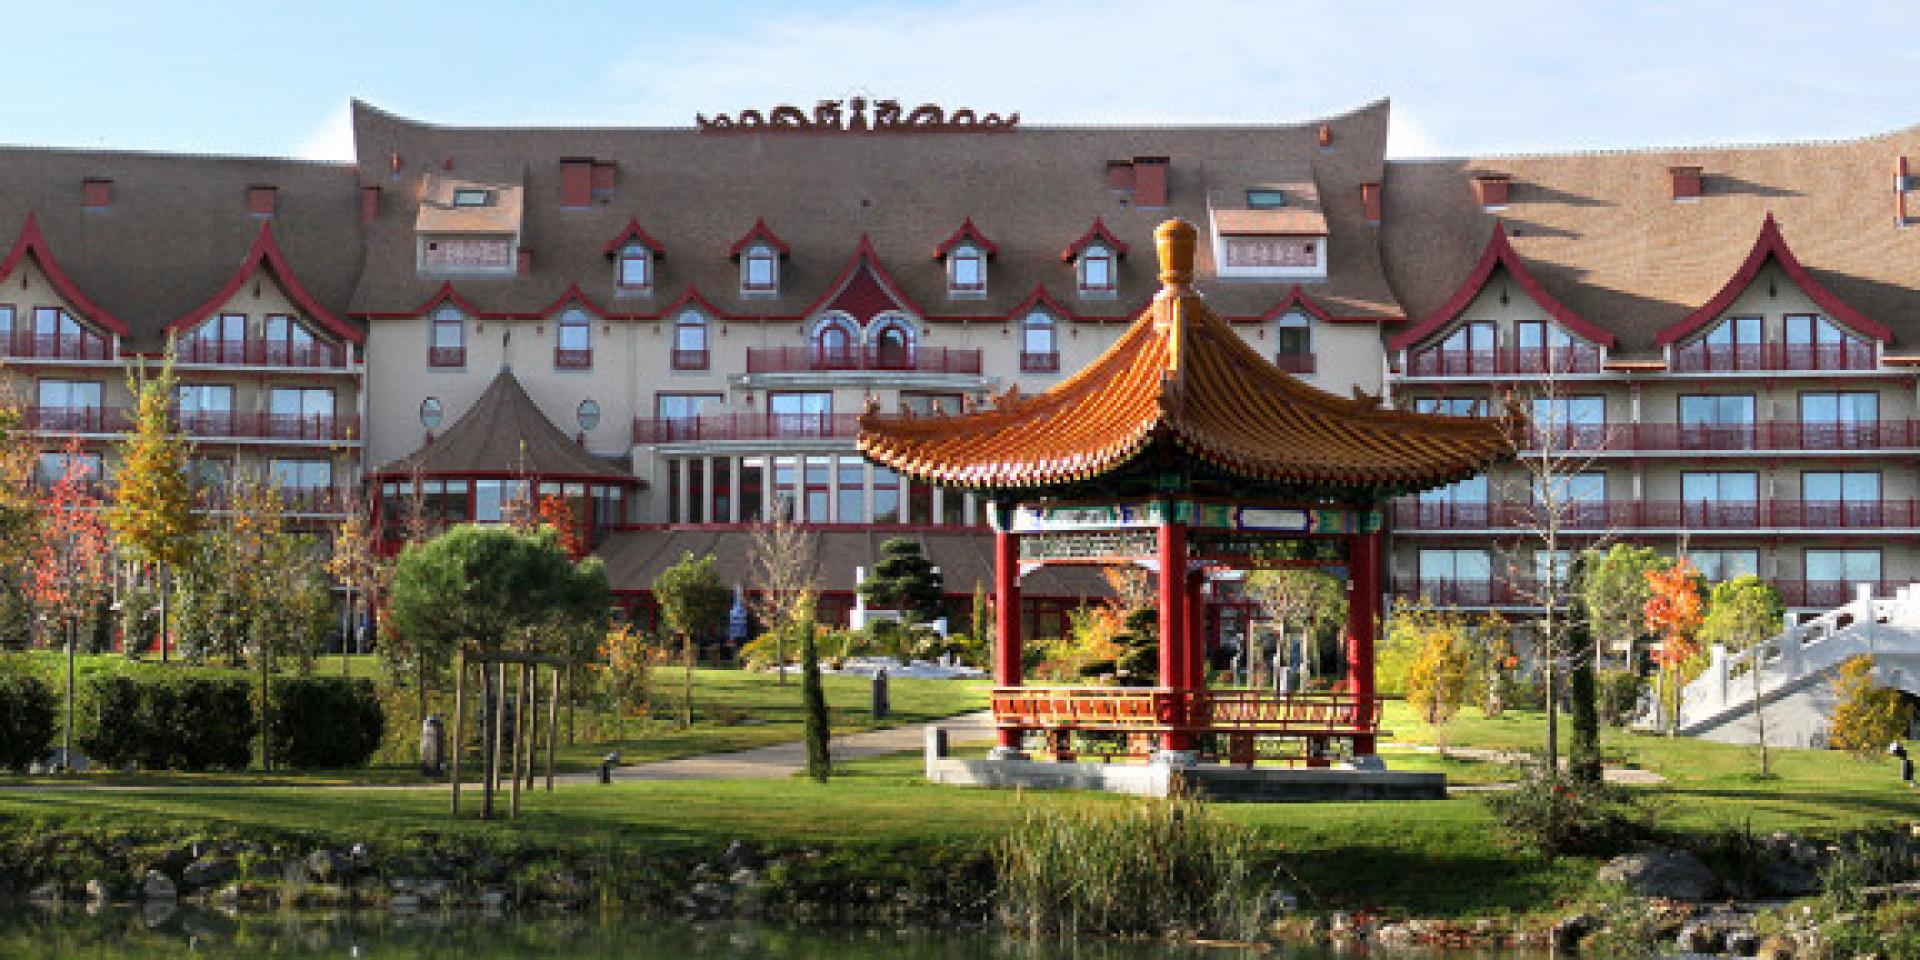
(982, 620)
(693, 603)
(1743, 614)
(1583, 752)
(813, 696)
(904, 580)
(152, 514)
(1616, 593)
(1300, 602)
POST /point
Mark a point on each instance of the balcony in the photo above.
(1772, 436)
(1504, 360)
(320, 500)
(1826, 594)
(1039, 363)
(746, 426)
(25, 344)
(263, 353)
(1476, 592)
(691, 359)
(1298, 363)
(1700, 515)
(446, 356)
(75, 419)
(1738, 358)
(572, 359)
(909, 359)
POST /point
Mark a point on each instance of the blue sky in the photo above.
(274, 78)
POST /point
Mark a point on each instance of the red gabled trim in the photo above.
(445, 294)
(693, 297)
(1098, 231)
(1297, 298)
(864, 253)
(1771, 244)
(32, 241)
(1499, 253)
(266, 250)
(967, 231)
(1039, 297)
(572, 294)
(632, 234)
(760, 231)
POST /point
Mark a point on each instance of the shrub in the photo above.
(1619, 696)
(1867, 717)
(324, 723)
(26, 720)
(1560, 815)
(168, 719)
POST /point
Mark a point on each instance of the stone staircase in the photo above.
(1796, 668)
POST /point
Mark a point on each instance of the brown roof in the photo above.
(1181, 375)
(1032, 190)
(177, 227)
(1603, 234)
(635, 559)
(504, 433)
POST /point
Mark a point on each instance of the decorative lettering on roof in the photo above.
(1262, 252)
(850, 116)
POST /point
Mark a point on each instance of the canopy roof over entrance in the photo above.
(505, 434)
(1180, 387)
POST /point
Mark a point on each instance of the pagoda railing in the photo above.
(1155, 709)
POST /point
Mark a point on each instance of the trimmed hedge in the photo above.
(324, 723)
(26, 720)
(169, 719)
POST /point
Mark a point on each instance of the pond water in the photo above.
(118, 933)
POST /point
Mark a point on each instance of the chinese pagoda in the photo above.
(1183, 450)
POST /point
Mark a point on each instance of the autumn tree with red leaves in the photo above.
(72, 559)
(1673, 612)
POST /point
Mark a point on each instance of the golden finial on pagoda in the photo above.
(1174, 240)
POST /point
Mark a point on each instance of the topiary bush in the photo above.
(168, 719)
(324, 723)
(26, 720)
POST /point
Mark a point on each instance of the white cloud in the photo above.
(332, 140)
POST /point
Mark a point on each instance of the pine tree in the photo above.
(152, 515)
(819, 733)
(1583, 754)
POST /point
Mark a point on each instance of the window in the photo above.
(291, 344)
(892, 345)
(1734, 344)
(1039, 343)
(800, 414)
(431, 413)
(834, 343)
(207, 473)
(1454, 565)
(819, 490)
(1718, 565)
(1839, 420)
(205, 408)
(1546, 348)
(69, 406)
(1552, 565)
(290, 475)
(853, 491)
(304, 413)
(1293, 350)
(1458, 505)
(449, 345)
(587, 415)
(759, 270)
(1579, 499)
(6, 329)
(472, 197)
(634, 269)
(678, 414)
(1837, 571)
(1716, 422)
(690, 341)
(966, 271)
(1840, 498)
(218, 339)
(1266, 199)
(53, 466)
(1817, 343)
(1096, 270)
(1450, 406)
(1719, 499)
(1570, 423)
(492, 499)
(573, 350)
(1470, 338)
(886, 495)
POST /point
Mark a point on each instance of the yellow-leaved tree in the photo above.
(152, 514)
(1437, 680)
(1867, 717)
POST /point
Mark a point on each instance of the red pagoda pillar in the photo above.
(1006, 621)
(1363, 621)
(1176, 629)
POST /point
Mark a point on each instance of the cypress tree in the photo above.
(819, 760)
(1583, 754)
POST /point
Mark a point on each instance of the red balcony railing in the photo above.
(75, 419)
(1831, 593)
(268, 426)
(572, 359)
(446, 356)
(1039, 362)
(745, 426)
(56, 346)
(691, 359)
(1661, 514)
(1771, 436)
(1472, 592)
(263, 353)
(1294, 362)
(324, 500)
(1731, 358)
(915, 359)
(1468, 363)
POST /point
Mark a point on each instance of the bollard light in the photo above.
(1898, 751)
(607, 764)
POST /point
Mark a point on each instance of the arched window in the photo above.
(1039, 343)
(892, 344)
(835, 343)
(573, 350)
(690, 341)
(449, 345)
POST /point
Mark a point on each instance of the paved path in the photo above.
(1628, 776)
(782, 760)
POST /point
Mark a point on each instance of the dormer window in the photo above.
(448, 347)
(966, 271)
(634, 269)
(760, 270)
(573, 350)
(690, 341)
(470, 197)
(1096, 270)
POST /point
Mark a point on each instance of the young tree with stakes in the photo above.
(1742, 615)
(358, 567)
(693, 602)
(783, 573)
(72, 561)
(152, 515)
(1673, 613)
(1616, 595)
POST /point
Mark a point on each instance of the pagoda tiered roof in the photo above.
(1181, 379)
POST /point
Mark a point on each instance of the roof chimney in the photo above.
(1686, 182)
(1492, 189)
(1370, 201)
(523, 261)
(260, 199)
(369, 204)
(576, 181)
(1325, 136)
(605, 173)
(1120, 175)
(96, 193)
(1150, 181)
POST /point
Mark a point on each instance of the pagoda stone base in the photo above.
(1213, 781)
